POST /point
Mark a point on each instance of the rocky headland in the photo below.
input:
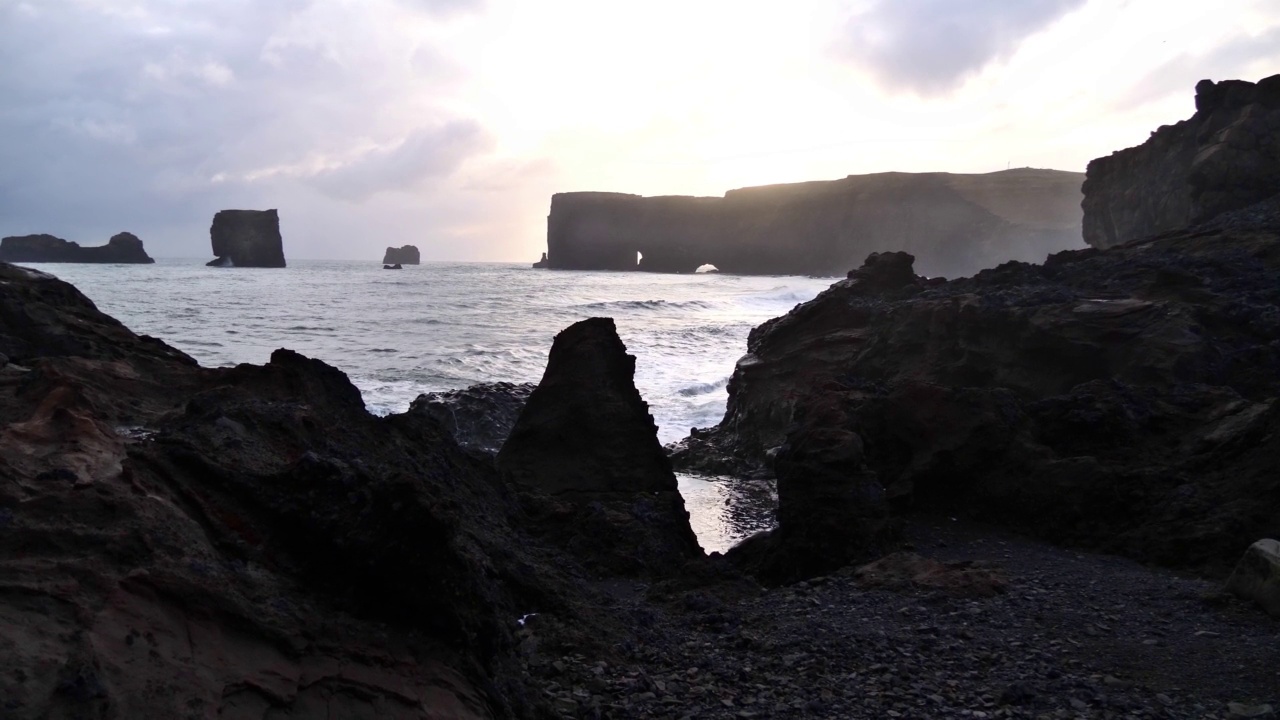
(954, 224)
(246, 238)
(1224, 157)
(121, 248)
(405, 255)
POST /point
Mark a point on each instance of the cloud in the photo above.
(157, 114)
(1233, 59)
(931, 46)
(427, 153)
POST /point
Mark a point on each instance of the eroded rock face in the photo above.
(586, 441)
(1124, 399)
(121, 248)
(953, 224)
(247, 238)
(831, 507)
(1224, 157)
(240, 541)
(406, 255)
(480, 416)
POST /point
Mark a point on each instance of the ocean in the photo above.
(441, 326)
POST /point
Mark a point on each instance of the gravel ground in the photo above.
(1073, 635)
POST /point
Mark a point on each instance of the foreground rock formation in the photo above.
(1124, 400)
(244, 541)
(247, 238)
(1224, 157)
(406, 255)
(480, 416)
(954, 224)
(586, 439)
(121, 248)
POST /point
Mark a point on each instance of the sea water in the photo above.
(440, 326)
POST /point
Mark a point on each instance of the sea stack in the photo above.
(121, 248)
(246, 238)
(406, 255)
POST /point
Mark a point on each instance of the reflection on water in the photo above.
(724, 510)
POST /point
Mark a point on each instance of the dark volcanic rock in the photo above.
(831, 508)
(121, 248)
(480, 416)
(406, 255)
(1224, 157)
(586, 439)
(954, 224)
(247, 238)
(239, 541)
(1124, 399)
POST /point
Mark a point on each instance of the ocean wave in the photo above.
(648, 305)
(703, 388)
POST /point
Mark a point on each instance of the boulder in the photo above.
(247, 238)
(586, 446)
(1224, 157)
(121, 248)
(1257, 576)
(480, 416)
(406, 255)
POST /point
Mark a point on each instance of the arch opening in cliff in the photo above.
(707, 268)
(639, 258)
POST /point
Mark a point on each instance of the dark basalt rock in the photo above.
(480, 416)
(243, 538)
(406, 255)
(246, 238)
(585, 442)
(121, 248)
(954, 224)
(1224, 157)
(832, 509)
(1123, 400)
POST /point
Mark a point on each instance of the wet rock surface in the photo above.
(480, 416)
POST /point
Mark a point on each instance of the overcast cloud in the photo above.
(931, 46)
(449, 123)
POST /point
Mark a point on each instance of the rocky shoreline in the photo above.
(951, 459)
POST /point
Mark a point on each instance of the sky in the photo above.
(448, 124)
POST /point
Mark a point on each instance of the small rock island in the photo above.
(121, 248)
(406, 255)
(247, 238)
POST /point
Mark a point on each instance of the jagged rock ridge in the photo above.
(954, 224)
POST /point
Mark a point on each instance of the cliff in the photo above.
(1224, 157)
(121, 248)
(407, 255)
(954, 224)
(247, 238)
